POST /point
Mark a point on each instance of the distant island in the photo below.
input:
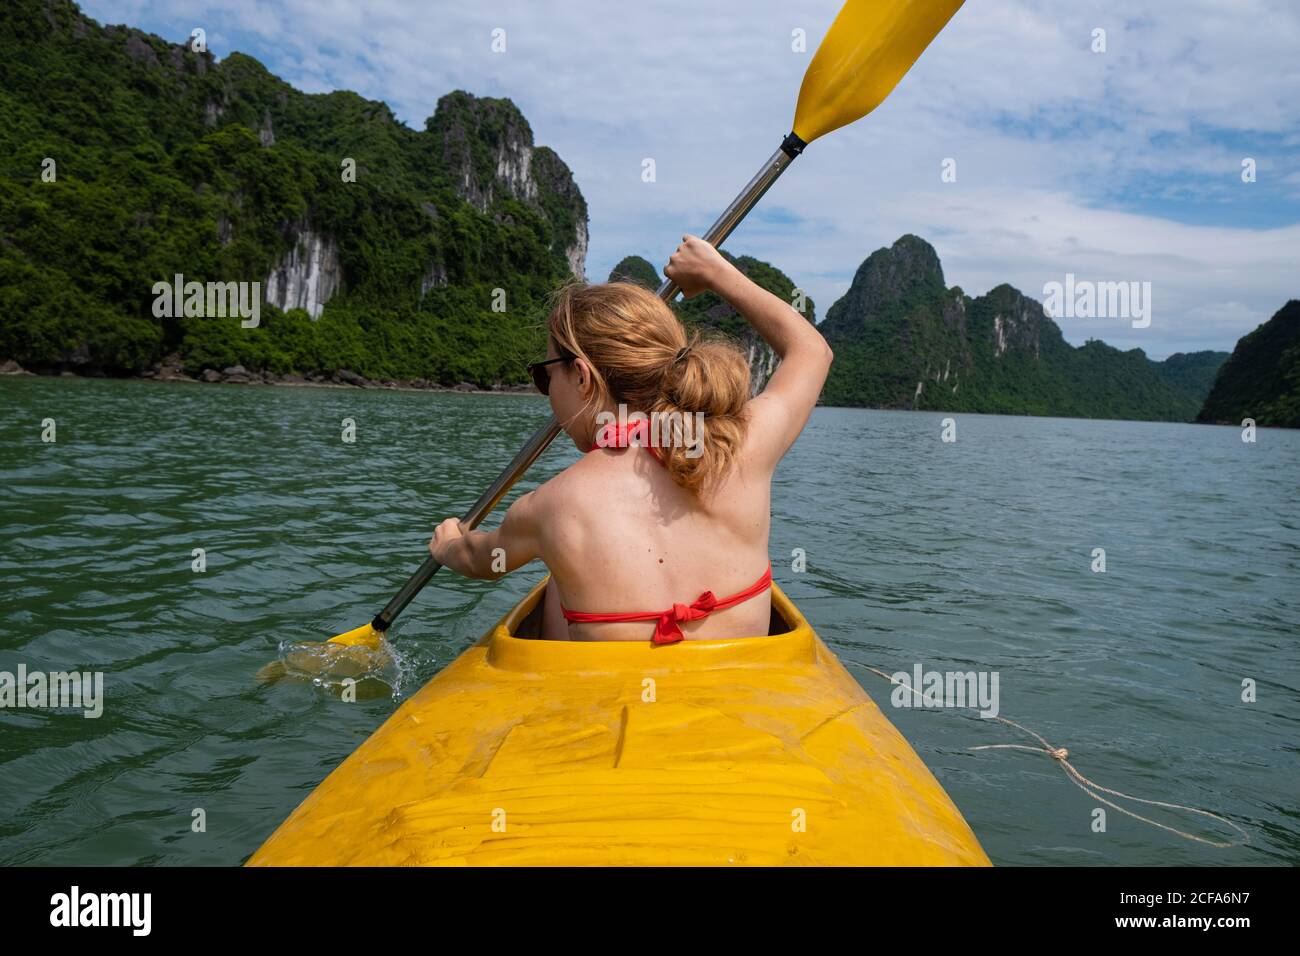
(423, 258)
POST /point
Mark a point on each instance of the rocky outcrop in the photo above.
(762, 362)
(266, 132)
(137, 48)
(1017, 324)
(307, 275)
(887, 281)
(576, 254)
(170, 369)
(434, 276)
(904, 340)
(568, 210)
(486, 146)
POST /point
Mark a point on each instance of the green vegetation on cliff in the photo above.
(635, 269)
(902, 339)
(1261, 379)
(168, 162)
(1192, 372)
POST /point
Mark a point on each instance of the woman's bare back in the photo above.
(620, 536)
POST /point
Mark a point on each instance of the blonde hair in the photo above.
(641, 355)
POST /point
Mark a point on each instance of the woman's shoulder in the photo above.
(604, 476)
(581, 477)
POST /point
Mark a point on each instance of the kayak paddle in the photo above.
(864, 54)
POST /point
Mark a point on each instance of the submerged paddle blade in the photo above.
(868, 48)
(359, 644)
(365, 634)
(371, 671)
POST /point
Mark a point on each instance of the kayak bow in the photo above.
(759, 750)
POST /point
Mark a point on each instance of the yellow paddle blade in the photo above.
(365, 634)
(868, 48)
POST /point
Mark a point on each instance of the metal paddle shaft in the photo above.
(532, 449)
(776, 164)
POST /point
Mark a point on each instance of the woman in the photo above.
(634, 536)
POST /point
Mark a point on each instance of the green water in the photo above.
(973, 555)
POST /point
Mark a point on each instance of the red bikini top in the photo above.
(668, 629)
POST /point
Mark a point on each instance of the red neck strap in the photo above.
(629, 434)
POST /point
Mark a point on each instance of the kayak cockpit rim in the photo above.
(510, 645)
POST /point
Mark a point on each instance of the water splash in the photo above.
(374, 671)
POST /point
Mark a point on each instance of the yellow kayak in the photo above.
(758, 751)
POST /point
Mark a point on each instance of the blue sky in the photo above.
(1122, 165)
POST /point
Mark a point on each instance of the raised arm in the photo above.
(778, 415)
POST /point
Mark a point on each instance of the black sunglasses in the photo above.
(542, 375)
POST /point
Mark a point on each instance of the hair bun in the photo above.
(625, 333)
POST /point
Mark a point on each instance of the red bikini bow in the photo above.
(669, 630)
